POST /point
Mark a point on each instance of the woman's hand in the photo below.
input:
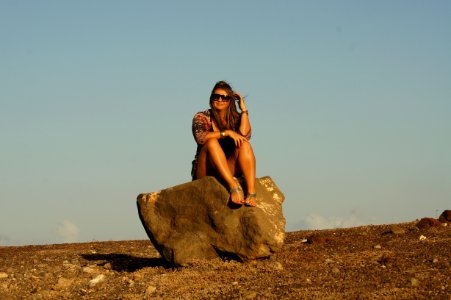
(241, 103)
(237, 138)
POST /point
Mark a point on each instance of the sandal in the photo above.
(251, 200)
(238, 190)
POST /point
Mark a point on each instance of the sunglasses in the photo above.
(216, 97)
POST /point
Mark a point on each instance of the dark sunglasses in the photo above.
(216, 97)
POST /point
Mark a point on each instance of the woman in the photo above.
(223, 150)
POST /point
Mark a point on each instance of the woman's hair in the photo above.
(232, 116)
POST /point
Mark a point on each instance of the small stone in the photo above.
(335, 270)
(377, 247)
(422, 238)
(278, 266)
(138, 276)
(88, 270)
(435, 260)
(414, 281)
(151, 289)
(308, 281)
(329, 261)
(3, 275)
(235, 283)
(250, 295)
(397, 230)
(98, 279)
(63, 283)
(108, 266)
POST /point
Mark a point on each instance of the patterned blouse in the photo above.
(202, 125)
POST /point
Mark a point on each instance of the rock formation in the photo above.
(445, 217)
(196, 220)
(426, 223)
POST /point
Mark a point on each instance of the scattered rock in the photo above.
(316, 239)
(63, 283)
(250, 295)
(427, 223)
(422, 238)
(196, 220)
(414, 282)
(151, 290)
(3, 275)
(386, 260)
(445, 217)
(395, 230)
(361, 271)
(98, 279)
(377, 247)
(89, 270)
(138, 276)
(278, 266)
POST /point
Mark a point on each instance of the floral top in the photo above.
(202, 125)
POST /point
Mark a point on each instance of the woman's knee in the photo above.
(211, 143)
(246, 147)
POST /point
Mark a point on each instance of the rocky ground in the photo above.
(398, 261)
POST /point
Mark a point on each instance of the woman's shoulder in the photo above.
(202, 114)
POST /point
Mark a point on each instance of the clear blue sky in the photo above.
(350, 103)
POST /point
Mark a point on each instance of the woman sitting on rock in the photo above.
(223, 149)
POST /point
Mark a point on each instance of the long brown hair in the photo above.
(232, 117)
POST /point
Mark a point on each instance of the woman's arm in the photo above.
(245, 125)
(203, 129)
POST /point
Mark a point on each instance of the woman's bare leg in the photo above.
(212, 154)
(247, 164)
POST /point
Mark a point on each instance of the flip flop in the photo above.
(251, 200)
(238, 190)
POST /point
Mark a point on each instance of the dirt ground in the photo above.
(397, 261)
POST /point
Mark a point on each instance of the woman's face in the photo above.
(220, 99)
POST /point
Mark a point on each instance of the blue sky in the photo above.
(350, 103)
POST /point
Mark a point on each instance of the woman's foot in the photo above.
(251, 200)
(236, 193)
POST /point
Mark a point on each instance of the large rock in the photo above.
(196, 220)
(445, 217)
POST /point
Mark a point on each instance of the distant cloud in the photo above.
(314, 221)
(68, 231)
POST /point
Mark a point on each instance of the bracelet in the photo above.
(245, 112)
(223, 133)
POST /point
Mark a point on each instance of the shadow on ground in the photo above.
(126, 263)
